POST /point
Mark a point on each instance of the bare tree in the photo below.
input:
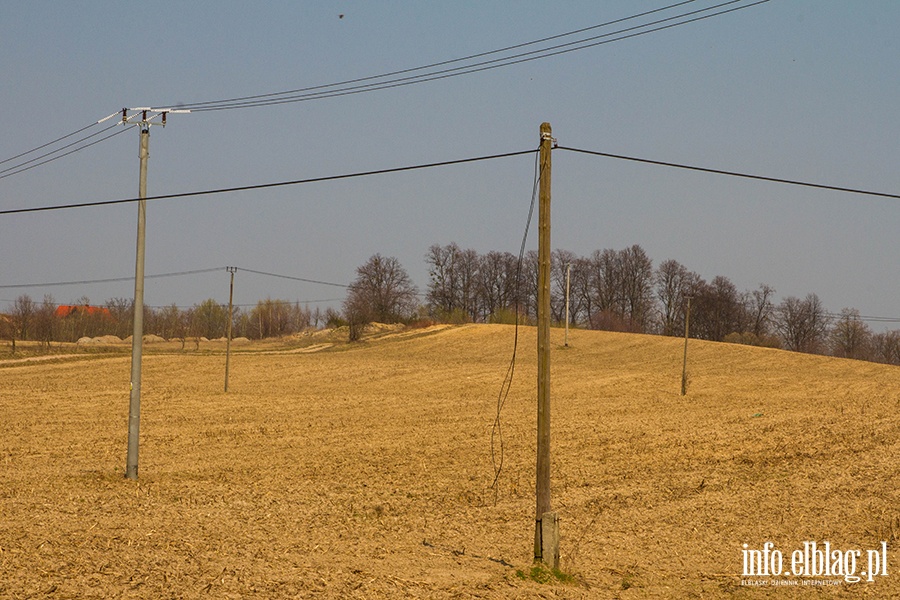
(717, 310)
(528, 285)
(45, 321)
(121, 311)
(637, 286)
(761, 310)
(170, 322)
(620, 285)
(24, 309)
(381, 292)
(673, 285)
(803, 324)
(582, 291)
(886, 347)
(243, 324)
(443, 285)
(7, 331)
(607, 281)
(497, 283)
(277, 318)
(466, 295)
(452, 289)
(301, 317)
(850, 336)
(358, 313)
(209, 319)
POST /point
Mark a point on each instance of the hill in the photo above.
(364, 470)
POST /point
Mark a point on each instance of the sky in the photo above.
(793, 89)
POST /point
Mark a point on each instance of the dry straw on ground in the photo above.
(364, 470)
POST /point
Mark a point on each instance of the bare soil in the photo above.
(364, 470)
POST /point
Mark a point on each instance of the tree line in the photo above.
(614, 290)
(44, 322)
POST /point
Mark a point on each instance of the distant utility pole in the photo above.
(230, 320)
(147, 115)
(546, 530)
(687, 326)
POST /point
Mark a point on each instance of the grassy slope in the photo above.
(365, 470)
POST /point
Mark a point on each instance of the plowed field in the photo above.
(364, 470)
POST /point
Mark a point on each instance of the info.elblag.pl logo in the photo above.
(814, 564)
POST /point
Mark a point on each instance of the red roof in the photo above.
(67, 310)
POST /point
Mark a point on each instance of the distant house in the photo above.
(64, 311)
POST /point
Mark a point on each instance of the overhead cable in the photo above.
(21, 167)
(261, 186)
(402, 77)
(809, 184)
(321, 92)
(199, 105)
(341, 285)
(497, 451)
(106, 280)
(42, 146)
(162, 275)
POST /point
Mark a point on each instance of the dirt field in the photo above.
(364, 470)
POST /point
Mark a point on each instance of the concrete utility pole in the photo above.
(147, 116)
(137, 336)
(687, 326)
(546, 530)
(230, 319)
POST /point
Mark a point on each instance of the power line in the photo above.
(21, 168)
(42, 146)
(107, 280)
(341, 285)
(295, 302)
(710, 170)
(163, 275)
(261, 186)
(733, 173)
(33, 162)
(315, 281)
(198, 105)
(253, 305)
(342, 89)
(391, 79)
(456, 162)
(867, 318)
(496, 426)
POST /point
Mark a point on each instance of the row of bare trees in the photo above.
(40, 321)
(607, 290)
(620, 290)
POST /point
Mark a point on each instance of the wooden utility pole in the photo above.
(230, 320)
(137, 336)
(546, 530)
(687, 326)
(568, 273)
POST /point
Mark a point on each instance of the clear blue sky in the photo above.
(801, 89)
